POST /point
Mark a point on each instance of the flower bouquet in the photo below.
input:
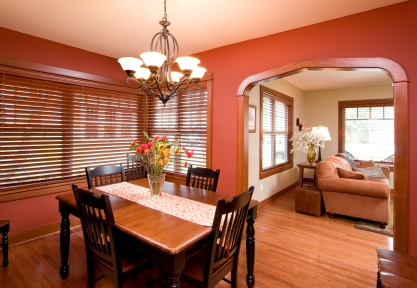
(157, 155)
(307, 141)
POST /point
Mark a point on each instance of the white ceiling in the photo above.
(120, 28)
(323, 80)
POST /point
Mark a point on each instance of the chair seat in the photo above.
(194, 267)
(130, 260)
(4, 222)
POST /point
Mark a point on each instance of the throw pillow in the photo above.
(372, 172)
(365, 164)
(351, 174)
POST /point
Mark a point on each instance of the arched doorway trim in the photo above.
(400, 85)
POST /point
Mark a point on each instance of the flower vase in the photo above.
(311, 154)
(155, 184)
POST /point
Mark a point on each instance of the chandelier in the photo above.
(156, 76)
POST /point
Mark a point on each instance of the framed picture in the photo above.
(252, 118)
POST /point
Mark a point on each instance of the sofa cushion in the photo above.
(364, 164)
(350, 186)
(372, 172)
(380, 180)
(350, 174)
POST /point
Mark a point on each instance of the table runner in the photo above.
(186, 209)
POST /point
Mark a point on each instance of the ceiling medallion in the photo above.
(156, 76)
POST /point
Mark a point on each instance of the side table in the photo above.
(305, 165)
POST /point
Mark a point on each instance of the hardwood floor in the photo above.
(292, 250)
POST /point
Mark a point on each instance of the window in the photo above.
(276, 132)
(51, 131)
(366, 129)
(184, 117)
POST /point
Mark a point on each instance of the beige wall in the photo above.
(277, 182)
(322, 109)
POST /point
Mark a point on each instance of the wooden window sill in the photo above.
(275, 170)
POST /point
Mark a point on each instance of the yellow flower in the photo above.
(161, 147)
(166, 161)
(166, 152)
(178, 150)
(160, 162)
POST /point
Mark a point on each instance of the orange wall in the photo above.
(388, 32)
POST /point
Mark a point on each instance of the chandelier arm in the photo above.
(175, 44)
(153, 39)
(179, 84)
(157, 84)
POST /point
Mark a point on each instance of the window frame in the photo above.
(385, 102)
(290, 130)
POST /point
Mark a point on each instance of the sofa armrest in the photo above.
(386, 171)
(356, 187)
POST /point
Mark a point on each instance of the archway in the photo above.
(400, 87)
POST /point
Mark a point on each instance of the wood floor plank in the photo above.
(292, 250)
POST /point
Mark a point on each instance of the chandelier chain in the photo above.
(165, 11)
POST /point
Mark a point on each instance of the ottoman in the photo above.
(308, 199)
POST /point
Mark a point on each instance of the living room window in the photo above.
(185, 117)
(276, 132)
(366, 129)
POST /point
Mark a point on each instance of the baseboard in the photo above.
(274, 197)
(39, 232)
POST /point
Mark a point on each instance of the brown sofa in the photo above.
(356, 198)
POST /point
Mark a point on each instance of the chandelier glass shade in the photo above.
(154, 74)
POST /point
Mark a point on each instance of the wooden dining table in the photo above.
(168, 239)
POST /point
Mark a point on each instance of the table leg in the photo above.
(64, 244)
(301, 176)
(250, 251)
(5, 245)
(173, 266)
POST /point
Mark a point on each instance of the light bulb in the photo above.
(143, 74)
(130, 65)
(198, 73)
(176, 76)
(187, 64)
(153, 60)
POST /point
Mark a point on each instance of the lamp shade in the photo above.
(176, 76)
(187, 63)
(323, 130)
(198, 72)
(143, 73)
(153, 58)
(130, 63)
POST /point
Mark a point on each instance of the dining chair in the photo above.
(202, 178)
(104, 248)
(221, 254)
(4, 230)
(104, 172)
(135, 168)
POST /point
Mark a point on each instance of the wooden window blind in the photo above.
(366, 129)
(51, 131)
(276, 131)
(184, 117)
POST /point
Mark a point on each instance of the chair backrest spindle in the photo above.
(98, 173)
(202, 178)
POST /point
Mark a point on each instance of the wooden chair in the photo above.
(4, 230)
(104, 249)
(221, 255)
(202, 178)
(107, 172)
(135, 169)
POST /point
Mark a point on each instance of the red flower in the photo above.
(163, 138)
(143, 147)
(185, 164)
(150, 144)
(156, 138)
(189, 154)
(139, 151)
